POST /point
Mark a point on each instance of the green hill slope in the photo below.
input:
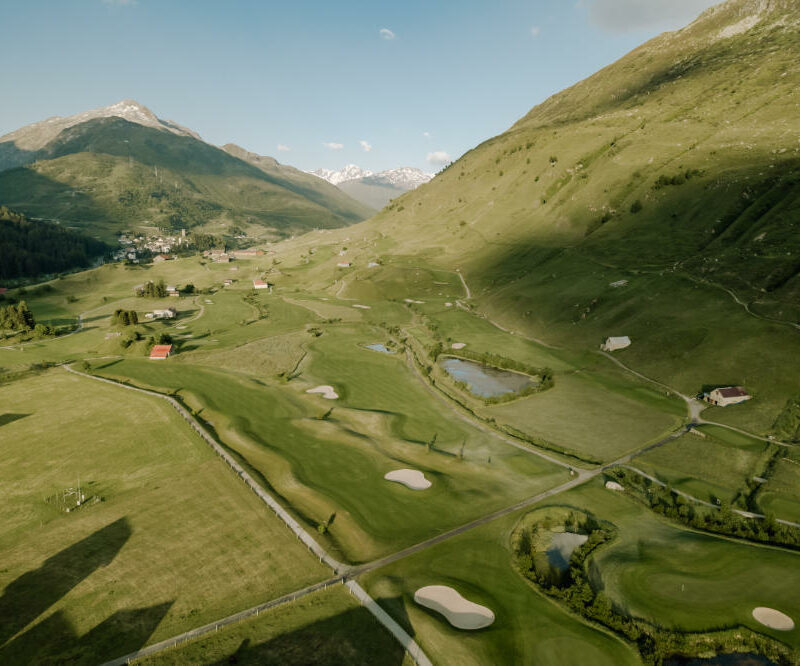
(676, 169)
(107, 173)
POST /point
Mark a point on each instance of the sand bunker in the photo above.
(411, 300)
(773, 619)
(410, 478)
(460, 612)
(362, 307)
(327, 391)
(613, 485)
(458, 345)
(448, 305)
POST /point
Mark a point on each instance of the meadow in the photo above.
(166, 539)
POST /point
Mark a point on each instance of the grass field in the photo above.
(174, 541)
(325, 628)
(708, 468)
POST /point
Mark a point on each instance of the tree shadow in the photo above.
(5, 419)
(34, 592)
(353, 637)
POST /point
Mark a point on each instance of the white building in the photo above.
(614, 343)
(727, 395)
(169, 313)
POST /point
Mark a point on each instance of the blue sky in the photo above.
(312, 75)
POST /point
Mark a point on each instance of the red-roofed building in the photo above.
(727, 395)
(160, 351)
(260, 284)
(3, 290)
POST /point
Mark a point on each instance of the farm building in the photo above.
(248, 253)
(228, 282)
(169, 313)
(727, 395)
(160, 351)
(222, 258)
(614, 343)
(344, 264)
(172, 290)
(161, 257)
(260, 284)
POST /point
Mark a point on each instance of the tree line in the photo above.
(28, 248)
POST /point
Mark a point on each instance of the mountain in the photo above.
(121, 166)
(349, 172)
(674, 174)
(374, 189)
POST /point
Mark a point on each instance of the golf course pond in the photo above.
(483, 380)
(379, 348)
(562, 546)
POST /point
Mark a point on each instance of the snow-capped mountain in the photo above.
(374, 189)
(407, 178)
(37, 135)
(350, 172)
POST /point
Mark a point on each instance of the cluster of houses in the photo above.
(134, 247)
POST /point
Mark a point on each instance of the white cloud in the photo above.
(283, 149)
(536, 30)
(628, 15)
(385, 33)
(366, 146)
(439, 158)
(332, 145)
(427, 135)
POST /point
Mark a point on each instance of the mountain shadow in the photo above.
(34, 592)
(354, 637)
(56, 641)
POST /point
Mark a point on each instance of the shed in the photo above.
(614, 343)
(160, 352)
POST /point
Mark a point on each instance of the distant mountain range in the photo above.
(121, 166)
(374, 189)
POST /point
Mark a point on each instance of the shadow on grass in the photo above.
(354, 637)
(34, 592)
(5, 419)
(56, 641)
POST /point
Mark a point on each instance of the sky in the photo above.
(318, 83)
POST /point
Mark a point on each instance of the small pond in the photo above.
(733, 659)
(562, 546)
(485, 381)
(379, 348)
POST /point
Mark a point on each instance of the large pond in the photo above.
(485, 381)
(562, 546)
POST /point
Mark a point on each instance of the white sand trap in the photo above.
(180, 327)
(327, 391)
(363, 307)
(410, 478)
(458, 345)
(613, 485)
(448, 305)
(773, 619)
(208, 302)
(411, 300)
(460, 612)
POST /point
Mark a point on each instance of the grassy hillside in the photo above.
(108, 174)
(676, 169)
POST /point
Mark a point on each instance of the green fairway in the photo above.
(325, 628)
(528, 629)
(681, 579)
(167, 538)
(336, 466)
